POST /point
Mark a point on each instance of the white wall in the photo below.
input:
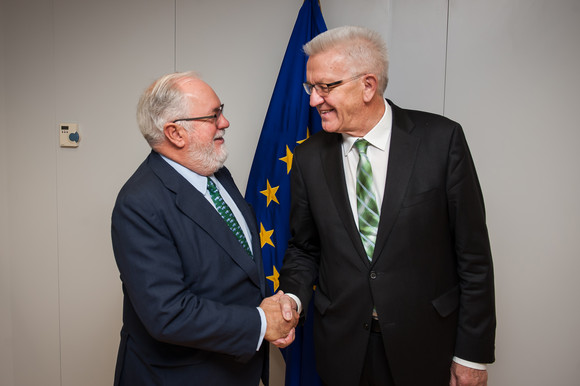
(31, 211)
(6, 368)
(505, 69)
(513, 82)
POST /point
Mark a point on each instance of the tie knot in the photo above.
(361, 145)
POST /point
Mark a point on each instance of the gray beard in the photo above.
(206, 159)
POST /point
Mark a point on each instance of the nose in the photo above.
(315, 98)
(222, 122)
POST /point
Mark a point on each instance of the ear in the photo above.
(370, 83)
(175, 134)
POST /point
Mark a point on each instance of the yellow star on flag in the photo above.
(288, 159)
(265, 236)
(274, 278)
(307, 136)
(270, 193)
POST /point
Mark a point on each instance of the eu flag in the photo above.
(289, 121)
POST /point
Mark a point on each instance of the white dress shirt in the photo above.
(379, 139)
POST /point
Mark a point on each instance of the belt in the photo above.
(375, 325)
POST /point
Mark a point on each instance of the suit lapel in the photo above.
(225, 178)
(333, 168)
(192, 203)
(402, 155)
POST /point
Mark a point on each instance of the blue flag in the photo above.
(289, 121)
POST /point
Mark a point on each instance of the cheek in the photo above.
(349, 110)
(202, 138)
(207, 137)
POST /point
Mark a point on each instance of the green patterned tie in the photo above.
(366, 202)
(226, 213)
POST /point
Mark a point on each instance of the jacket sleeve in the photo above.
(165, 299)
(477, 322)
(301, 261)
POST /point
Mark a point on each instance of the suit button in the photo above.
(366, 326)
(373, 275)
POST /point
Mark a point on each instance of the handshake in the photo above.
(281, 319)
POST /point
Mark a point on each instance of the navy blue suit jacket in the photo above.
(190, 289)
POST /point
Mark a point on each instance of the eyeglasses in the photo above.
(323, 89)
(218, 113)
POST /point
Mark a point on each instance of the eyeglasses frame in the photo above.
(215, 115)
(327, 87)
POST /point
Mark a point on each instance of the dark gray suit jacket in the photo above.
(431, 277)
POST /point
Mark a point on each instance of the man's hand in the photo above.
(288, 307)
(466, 376)
(279, 331)
(285, 342)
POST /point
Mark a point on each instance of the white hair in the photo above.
(364, 50)
(160, 103)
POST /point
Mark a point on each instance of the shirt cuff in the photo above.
(263, 327)
(298, 303)
(473, 365)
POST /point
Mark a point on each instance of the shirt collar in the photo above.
(197, 180)
(377, 137)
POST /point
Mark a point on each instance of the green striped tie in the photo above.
(366, 202)
(226, 213)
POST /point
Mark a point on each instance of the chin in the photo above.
(221, 154)
(330, 128)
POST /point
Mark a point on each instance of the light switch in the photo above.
(69, 135)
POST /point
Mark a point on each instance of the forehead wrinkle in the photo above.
(330, 67)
